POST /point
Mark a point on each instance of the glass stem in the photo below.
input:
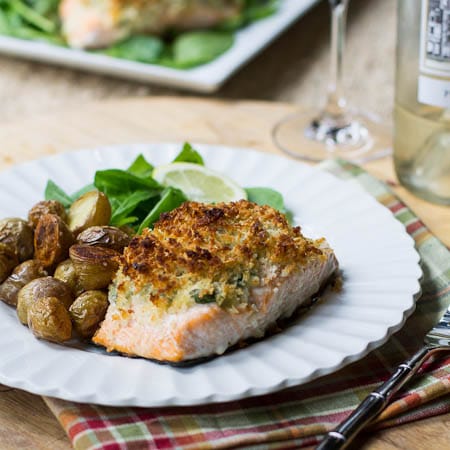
(336, 105)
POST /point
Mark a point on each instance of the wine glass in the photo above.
(336, 130)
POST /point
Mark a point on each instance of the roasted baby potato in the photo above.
(46, 207)
(66, 272)
(95, 266)
(91, 209)
(21, 275)
(87, 311)
(17, 234)
(48, 319)
(8, 260)
(128, 230)
(105, 236)
(39, 288)
(52, 240)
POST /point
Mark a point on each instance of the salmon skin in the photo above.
(100, 23)
(208, 277)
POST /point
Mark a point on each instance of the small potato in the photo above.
(105, 236)
(52, 240)
(48, 319)
(128, 230)
(22, 275)
(87, 311)
(46, 207)
(17, 234)
(95, 266)
(66, 272)
(39, 288)
(8, 260)
(91, 209)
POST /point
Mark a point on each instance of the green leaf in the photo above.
(145, 49)
(205, 299)
(141, 167)
(116, 181)
(32, 17)
(54, 192)
(130, 221)
(171, 198)
(266, 196)
(259, 9)
(142, 209)
(45, 7)
(4, 23)
(199, 47)
(233, 23)
(271, 197)
(189, 154)
(123, 208)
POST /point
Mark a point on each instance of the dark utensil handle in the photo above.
(374, 403)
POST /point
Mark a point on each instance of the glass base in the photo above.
(425, 193)
(357, 137)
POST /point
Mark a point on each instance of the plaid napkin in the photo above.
(299, 416)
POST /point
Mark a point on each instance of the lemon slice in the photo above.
(199, 183)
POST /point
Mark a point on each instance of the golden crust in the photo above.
(217, 250)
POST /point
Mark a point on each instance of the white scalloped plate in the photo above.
(379, 263)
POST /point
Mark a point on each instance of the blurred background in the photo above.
(293, 69)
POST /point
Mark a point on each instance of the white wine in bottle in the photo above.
(422, 103)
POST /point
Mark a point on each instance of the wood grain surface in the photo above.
(25, 421)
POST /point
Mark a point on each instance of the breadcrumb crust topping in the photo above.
(213, 253)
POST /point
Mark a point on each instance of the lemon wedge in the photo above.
(199, 183)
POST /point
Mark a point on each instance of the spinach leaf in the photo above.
(45, 7)
(266, 196)
(32, 17)
(271, 197)
(54, 192)
(141, 167)
(259, 9)
(189, 154)
(171, 198)
(117, 182)
(4, 23)
(130, 221)
(145, 49)
(233, 23)
(205, 299)
(124, 207)
(199, 47)
(143, 208)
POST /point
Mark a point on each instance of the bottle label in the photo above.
(435, 53)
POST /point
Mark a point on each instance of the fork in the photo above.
(437, 339)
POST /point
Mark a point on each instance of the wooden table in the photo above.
(25, 421)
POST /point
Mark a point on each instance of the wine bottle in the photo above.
(422, 101)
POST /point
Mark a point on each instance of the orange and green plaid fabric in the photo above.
(299, 416)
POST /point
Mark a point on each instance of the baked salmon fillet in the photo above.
(100, 23)
(210, 276)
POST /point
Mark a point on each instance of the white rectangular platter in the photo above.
(206, 78)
